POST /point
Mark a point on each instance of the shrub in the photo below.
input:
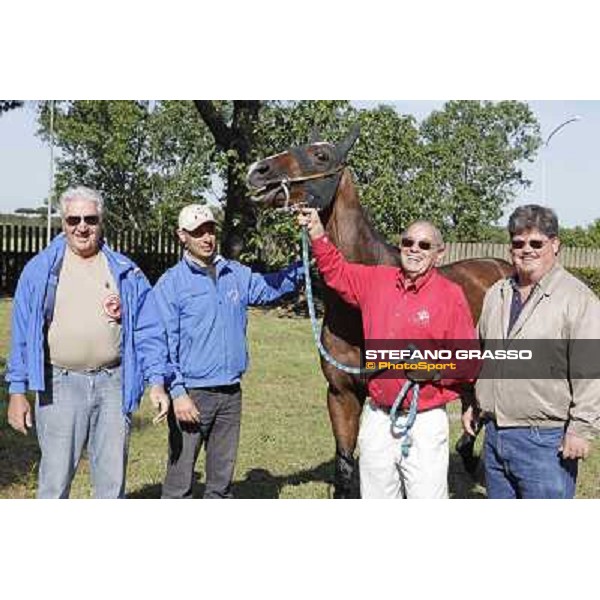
(590, 276)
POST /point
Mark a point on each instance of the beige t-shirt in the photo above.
(85, 332)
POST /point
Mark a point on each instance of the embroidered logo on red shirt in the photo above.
(422, 318)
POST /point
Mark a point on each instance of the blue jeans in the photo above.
(524, 462)
(80, 406)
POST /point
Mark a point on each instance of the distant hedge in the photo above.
(590, 276)
(30, 220)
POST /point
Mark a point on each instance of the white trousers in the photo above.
(385, 473)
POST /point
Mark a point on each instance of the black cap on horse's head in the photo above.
(308, 174)
(343, 147)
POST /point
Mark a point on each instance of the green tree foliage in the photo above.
(147, 159)
(581, 237)
(472, 154)
(460, 167)
(386, 163)
(382, 162)
(589, 276)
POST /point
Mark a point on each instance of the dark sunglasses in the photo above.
(408, 243)
(73, 221)
(533, 244)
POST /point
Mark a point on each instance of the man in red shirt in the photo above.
(413, 302)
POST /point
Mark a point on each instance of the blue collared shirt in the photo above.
(206, 319)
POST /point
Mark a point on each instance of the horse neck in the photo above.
(349, 229)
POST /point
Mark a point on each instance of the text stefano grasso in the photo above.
(458, 354)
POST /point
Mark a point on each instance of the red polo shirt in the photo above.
(393, 307)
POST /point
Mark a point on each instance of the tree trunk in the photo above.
(237, 140)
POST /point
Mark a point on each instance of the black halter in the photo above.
(320, 187)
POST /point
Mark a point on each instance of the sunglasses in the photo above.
(408, 243)
(533, 244)
(73, 221)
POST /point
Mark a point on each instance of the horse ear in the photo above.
(314, 135)
(346, 145)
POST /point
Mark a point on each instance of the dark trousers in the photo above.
(219, 431)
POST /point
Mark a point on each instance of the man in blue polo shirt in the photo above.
(203, 302)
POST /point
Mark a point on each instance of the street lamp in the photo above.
(545, 149)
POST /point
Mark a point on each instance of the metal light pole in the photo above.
(545, 151)
(49, 215)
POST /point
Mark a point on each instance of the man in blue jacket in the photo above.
(203, 301)
(85, 336)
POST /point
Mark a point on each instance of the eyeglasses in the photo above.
(409, 243)
(533, 244)
(73, 221)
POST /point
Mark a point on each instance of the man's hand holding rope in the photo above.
(309, 218)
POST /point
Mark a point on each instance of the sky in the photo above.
(572, 158)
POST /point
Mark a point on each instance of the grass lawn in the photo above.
(286, 448)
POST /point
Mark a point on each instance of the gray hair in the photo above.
(80, 193)
(533, 216)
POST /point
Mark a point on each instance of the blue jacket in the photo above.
(143, 344)
(206, 322)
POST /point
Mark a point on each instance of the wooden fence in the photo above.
(569, 257)
(156, 252)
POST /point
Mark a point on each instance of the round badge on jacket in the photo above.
(112, 307)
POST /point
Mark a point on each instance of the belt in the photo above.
(99, 369)
(386, 409)
(404, 411)
(91, 371)
(222, 389)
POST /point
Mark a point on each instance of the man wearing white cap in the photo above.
(203, 302)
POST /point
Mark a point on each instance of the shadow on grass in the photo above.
(262, 484)
(462, 485)
(258, 483)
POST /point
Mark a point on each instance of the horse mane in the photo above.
(349, 225)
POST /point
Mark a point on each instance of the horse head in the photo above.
(307, 174)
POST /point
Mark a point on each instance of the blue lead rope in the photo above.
(313, 317)
(401, 430)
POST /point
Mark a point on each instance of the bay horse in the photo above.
(316, 175)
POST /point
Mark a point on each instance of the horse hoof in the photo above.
(345, 495)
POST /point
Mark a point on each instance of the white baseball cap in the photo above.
(194, 215)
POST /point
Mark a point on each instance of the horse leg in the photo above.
(344, 411)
